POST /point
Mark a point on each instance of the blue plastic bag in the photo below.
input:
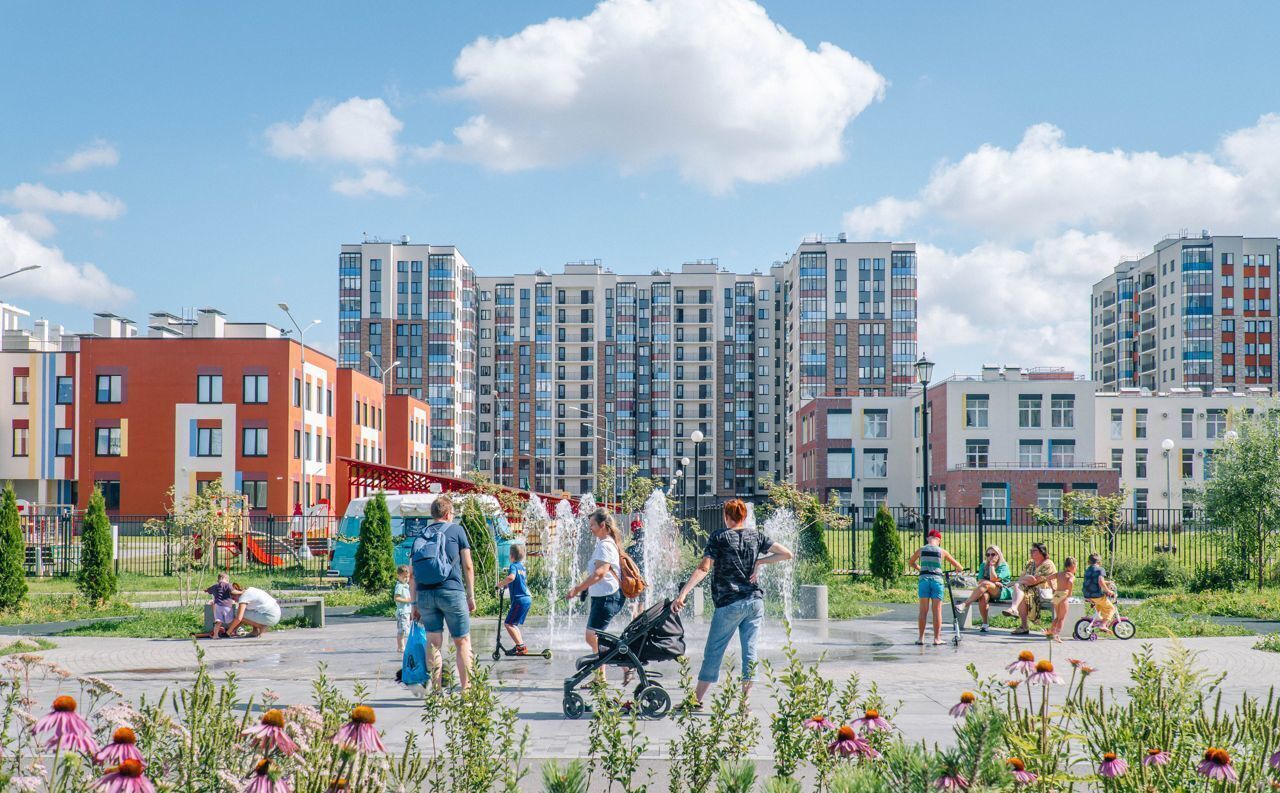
(413, 669)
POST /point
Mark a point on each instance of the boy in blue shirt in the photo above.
(517, 584)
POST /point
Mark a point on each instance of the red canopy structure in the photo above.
(372, 477)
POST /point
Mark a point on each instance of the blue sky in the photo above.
(1158, 113)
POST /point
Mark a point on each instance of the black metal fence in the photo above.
(152, 545)
(1185, 536)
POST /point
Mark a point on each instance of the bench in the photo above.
(1076, 608)
(312, 608)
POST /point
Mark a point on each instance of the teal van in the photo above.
(342, 562)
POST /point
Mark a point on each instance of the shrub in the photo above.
(886, 548)
(96, 578)
(482, 548)
(1125, 570)
(1224, 575)
(813, 540)
(375, 569)
(13, 553)
(1165, 572)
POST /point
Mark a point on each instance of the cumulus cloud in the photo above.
(374, 181)
(714, 87)
(57, 279)
(98, 154)
(358, 131)
(28, 197)
(1051, 219)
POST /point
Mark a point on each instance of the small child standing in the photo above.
(1099, 591)
(1063, 583)
(224, 606)
(404, 606)
(517, 584)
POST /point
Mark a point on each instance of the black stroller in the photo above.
(656, 635)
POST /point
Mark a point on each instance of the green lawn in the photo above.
(159, 624)
(61, 608)
(29, 645)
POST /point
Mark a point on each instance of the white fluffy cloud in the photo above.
(98, 154)
(374, 181)
(359, 131)
(57, 279)
(1053, 219)
(38, 198)
(713, 86)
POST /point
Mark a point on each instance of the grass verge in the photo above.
(159, 624)
(1269, 643)
(33, 644)
(62, 608)
(1252, 604)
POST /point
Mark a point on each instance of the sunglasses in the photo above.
(992, 553)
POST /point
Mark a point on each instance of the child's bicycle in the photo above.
(1087, 628)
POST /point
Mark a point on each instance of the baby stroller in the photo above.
(656, 635)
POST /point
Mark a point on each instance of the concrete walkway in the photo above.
(926, 680)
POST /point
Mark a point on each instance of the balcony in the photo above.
(1041, 466)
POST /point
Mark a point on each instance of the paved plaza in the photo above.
(925, 680)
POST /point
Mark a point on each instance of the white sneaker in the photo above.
(962, 608)
(983, 627)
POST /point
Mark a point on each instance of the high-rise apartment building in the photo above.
(412, 308)
(1196, 312)
(848, 323)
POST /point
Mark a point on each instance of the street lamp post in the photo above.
(684, 487)
(697, 437)
(1167, 445)
(382, 371)
(302, 332)
(26, 269)
(924, 372)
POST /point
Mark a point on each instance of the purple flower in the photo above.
(849, 744)
(1025, 665)
(1044, 675)
(1217, 765)
(269, 734)
(66, 728)
(123, 747)
(359, 734)
(964, 705)
(1275, 761)
(951, 781)
(124, 778)
(265, 779)
(1156, 757)
(1021, 775)
(819, 723)
(1112, 766)
(872, 721)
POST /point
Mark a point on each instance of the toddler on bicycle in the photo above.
(1098, 591)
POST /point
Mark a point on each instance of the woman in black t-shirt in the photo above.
(733, 557)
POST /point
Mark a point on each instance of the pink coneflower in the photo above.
(1013, 684)
(872, 721)
(1217, 765)
(270, 734)
(265, 779)
(67, 729)
(819, 723)
(124, 778)
(964, 705)
(849, 744)
(123, 747)
(1020, 773)
(1275, 761)
(1112, 766)
(1156, 757)
(1086, 670)
(1025, 665)
(27, 784)
(1044, 675)
(951, 781)
(359, 733)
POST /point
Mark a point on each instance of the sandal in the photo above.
(1019, 632)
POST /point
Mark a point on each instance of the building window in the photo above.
(977, 454)
(110, 493)
(108, 444)
(875, 463)
(21, 389)
(209, 389)
(297, 444)
(254, 442)
(1188, 422)
(1140, 464)
(1117, 424)
(1140, 503)
(297, 392)
(1188, 463)
(839, 424)
(1049, 498)
(208, 442)
(21, 436)
(995, 499)
(872, 499)
(64, 443)
(1030, 454)
(1140, 423)
(1216, 423)
(840, 464)
(109, 388)
(255, 389)
(1029, 410)
(875, 423)
(1117, 460)
(1063, 411)
(255, 493)
(1062, 454)
(66, 390)
(975, 410)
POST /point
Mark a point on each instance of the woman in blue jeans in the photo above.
(733, 558)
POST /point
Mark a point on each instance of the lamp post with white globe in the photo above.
(924, 372)
(1167, 445)
(697, 437)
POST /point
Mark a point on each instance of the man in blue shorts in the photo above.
(928, 562)
(451, 600)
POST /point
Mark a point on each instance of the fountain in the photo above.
(779, 580)
(661, 549)
(559, 552)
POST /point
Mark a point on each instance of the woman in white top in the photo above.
(603, 581)
(254, 608)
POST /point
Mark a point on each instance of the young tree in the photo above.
(375, 557)
(483, 558)
(815, 519)
(13, 553)
(1243, 494)
(96, 578)
(191, 530)
(886, 548)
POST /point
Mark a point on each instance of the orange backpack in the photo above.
(630, 582)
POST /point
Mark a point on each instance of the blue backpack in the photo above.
(430, 556)
(413, 669)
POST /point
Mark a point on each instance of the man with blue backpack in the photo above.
(444, 581)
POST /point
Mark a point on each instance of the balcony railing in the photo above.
(1018, 466)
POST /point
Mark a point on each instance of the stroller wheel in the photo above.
(574, 706)
(654, 702)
